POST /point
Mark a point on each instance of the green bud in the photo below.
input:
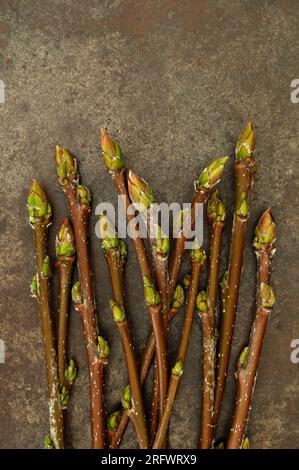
(197, 254)
(216, 208)
(108, 233)
(242, 206)
(103, 348)
(267, 296)
(46, 268)
(126, 397)
(180, 220)
(178, 299)
(245, 443)
(123, 250)
(64, 397)
(178, 368)
(39, 209)
(201, 302)
(66, 166)
(265, 231)
(117, 311)
(187, 280)
(161, 241)
(246, 143)
(243, 357)
(220, 445)
(71, 372)
(83, 195)
(65, 243)
(34, 290)
(112, 155)
(224, 280)
(77, 296)
(113, 421)
(212, 174)
(151, 296)
(140, 192)
(48, 443)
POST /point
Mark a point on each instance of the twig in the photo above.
(207, 313)
(78, 198)
(264, 245)
(39, 211)
(216, 217)
(208, 381)
(136, 414)
(65, 253)
(197, 257)
(148, 354)
(110, 244)
(244, 172)
(142, 197)
(209, 177)
(160, 249)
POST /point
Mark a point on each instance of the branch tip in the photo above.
(38, 208)
(140, 192)
(66, 165)
(246, 143)
(265, 231)
(212, 174)
(112, 154)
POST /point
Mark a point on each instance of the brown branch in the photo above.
(155, 405)
(113, 258)
(197, 260)
(146, 362)
(159, 248)
(216, 218)
(64, 268)
(244, 174)
(249, 359)
(39, 211)
(208, 381)
(78, 198)
(65, 252)
(137, 188)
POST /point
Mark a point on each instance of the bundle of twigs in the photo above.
(163, 297)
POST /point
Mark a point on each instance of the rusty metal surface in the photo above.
(174, 82)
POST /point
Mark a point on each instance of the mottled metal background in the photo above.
(174, 82)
